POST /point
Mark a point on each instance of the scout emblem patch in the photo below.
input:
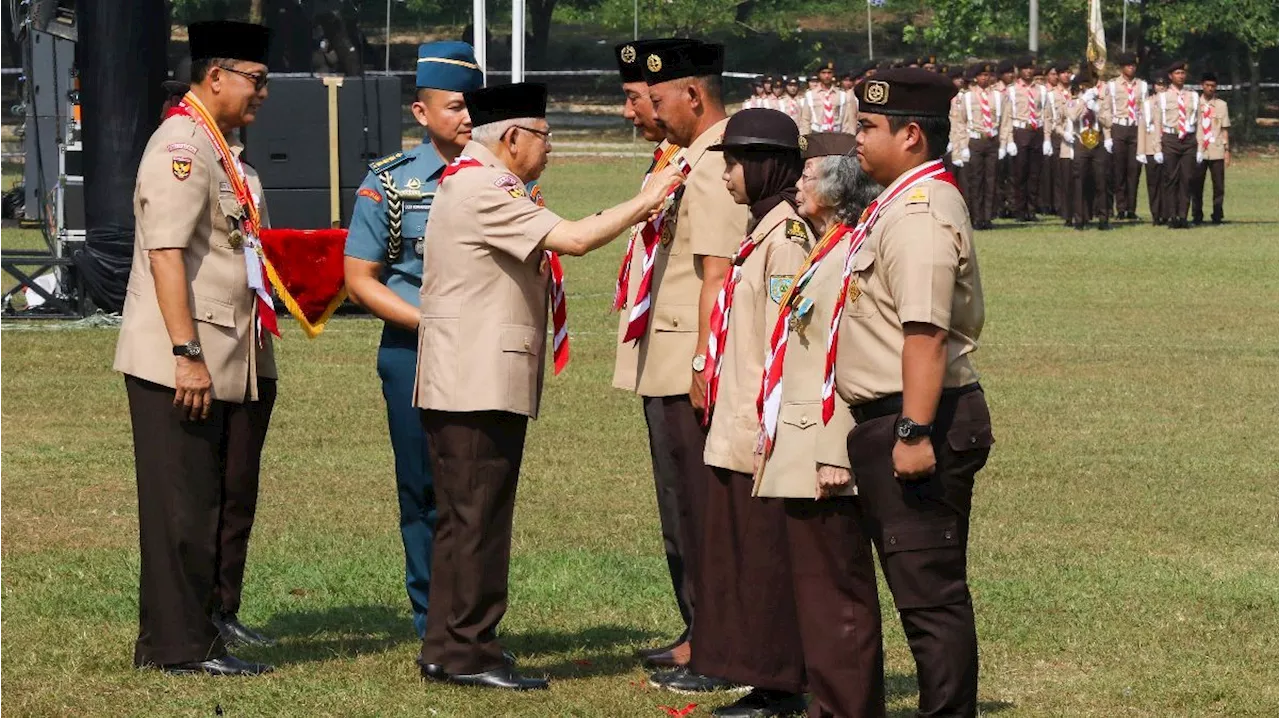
(877, 92)
(919, 194)
(779, 285)
(795, 230)
(512, 185)
(655, 63)
(804, 143)
(181, 168)
(854, 292)
(182, 146)
(628, 54)
(235, 239)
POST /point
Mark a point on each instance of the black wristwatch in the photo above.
(190, 350)
(906, 429)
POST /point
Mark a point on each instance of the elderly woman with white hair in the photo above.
(805, 461)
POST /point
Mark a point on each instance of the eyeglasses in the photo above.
(544, 134)
(259, 79)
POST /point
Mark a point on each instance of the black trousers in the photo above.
(671, 502)
(475, 457)
(688, 441)
(1064, 182)
(1090, 170)
(197, 494)
(1179, 173)
(1048, 178)
(981, 178)
(1125, 167)
(921, 531)
(833, 576)
(1215, 170)
(1155, 189)
(1025, 167)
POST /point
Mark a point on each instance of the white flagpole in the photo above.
(1124, 28)
(386, 58)
(478, 36)
(517, 40)
(871, 53)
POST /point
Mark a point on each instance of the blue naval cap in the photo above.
(449, 65)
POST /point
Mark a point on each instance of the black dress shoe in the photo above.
(1216, 220)
(432, 671)
(227, 665)
(505, 678)
(683, 680)
(761, 703)
(1079, 226)
(236, 633)
(1104, 225)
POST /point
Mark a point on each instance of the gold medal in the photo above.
(854, 292)
(235, 239)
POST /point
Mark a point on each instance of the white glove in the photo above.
(1107, 144)
(1011, 149)
(949, 147)
(1199, 157)
(964, 155)
(1089, 95)
(1159, 158)
(1142, 159)
(1069, 138)
(1000, 154)
(1092, 105)
(958, 163)
(1048, 148)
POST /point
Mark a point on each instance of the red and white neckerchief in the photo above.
(828, 111)
(769, 402)
(1206, 124)
(555, 288)
(1033, 113)
(1132, 102)
(661, 158)
(264, 309)
(720, 322)
(650, 235)
(1182, 115)
(934, 170)
(988, 126)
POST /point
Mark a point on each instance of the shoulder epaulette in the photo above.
(390, 161)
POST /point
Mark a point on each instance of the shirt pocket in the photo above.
(213, 311)
(520, 348)
(230, 218)
(675, 318)
(857, 304)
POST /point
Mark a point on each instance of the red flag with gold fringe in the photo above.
(305, 267)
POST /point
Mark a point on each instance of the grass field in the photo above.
(1124, 547)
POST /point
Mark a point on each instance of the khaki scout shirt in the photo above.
(1217, 123)
(1118, 91)
(706, 222)
(1165, 107)
(626, 361)
(971, 120)
(918, 265)
(183, 200)
(844, 104)
(802, 442)
(782, 241)
(1152, 135)
(1021, 99)
(482, 335)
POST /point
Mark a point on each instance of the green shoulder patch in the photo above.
(385, 163)
(779, 284)
(796, 231)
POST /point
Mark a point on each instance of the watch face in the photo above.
(699, 363)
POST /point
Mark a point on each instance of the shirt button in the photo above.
(973, 440)
(208, 316)
(675, 321)
(893, 540)
(804, 420)
(527, 344)
(946, 535)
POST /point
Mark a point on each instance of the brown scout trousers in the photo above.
(746, 631)
(921, 531)
(1064, 182)
(833, 577)
(1026, 170)
(1179, 173)
(1048, 179)
(1090, 190)
(1125, 166)
(664, 452)
(475, 460)
(1213, 168)
(197, 495)
(1155, 189)
(980, 178)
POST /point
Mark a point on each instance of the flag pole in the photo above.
(1124, 28)
(871, 53)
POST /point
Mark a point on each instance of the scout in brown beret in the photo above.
(913, 105)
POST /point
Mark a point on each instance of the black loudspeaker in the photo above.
(288, 142)
(306, 208)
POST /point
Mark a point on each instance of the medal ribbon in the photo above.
(650, 235)
(934, 170)
(769, 402)
(720, 323)
(661, 158)
(555, 288)
(265, 311)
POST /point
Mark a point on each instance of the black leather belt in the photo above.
(892, 404)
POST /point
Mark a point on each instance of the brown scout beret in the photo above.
(910, 91)
(827, 144)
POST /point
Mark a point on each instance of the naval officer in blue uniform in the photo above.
(383, 268)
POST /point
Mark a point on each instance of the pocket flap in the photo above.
(940, 533)
(213, 311)
(436, 307)
(970, 435)
(522, 340)
(230, 206)
(676, 318)
(863, 259)
(802, 415)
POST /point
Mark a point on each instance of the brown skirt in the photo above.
(746, 629)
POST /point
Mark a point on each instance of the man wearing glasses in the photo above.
(195, 349)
